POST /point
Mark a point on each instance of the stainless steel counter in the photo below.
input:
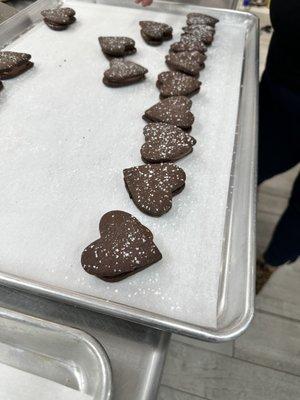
(229, 4)
(137, 353)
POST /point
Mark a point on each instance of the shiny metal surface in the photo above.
(6, 11)
(56, 352)
(229, 4)
(226, 4)
(136, 353)
(235, 305)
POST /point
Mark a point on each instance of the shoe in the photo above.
(264, 272)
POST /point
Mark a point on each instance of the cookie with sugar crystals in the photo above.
(125, 247)
(174, 83)
(204, 28)
(189, 62)
(199, 31)
(188, 42)
(117, 46)
(154, 33)
(173, 110)
(59, 19)
(165, 143)
(152, 186)
(122, 73)
(201, 19)
(13, 64)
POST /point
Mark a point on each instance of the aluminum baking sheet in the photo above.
(53, 355)
(66, 140)
(136, 352)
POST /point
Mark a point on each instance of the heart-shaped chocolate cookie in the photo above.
(173, 83)
(165, 143)
(59, 19)
(189, 62)
(201, 19)
(124, 248)
(152, 186)
(188, 43)
(205, 28)
(173, 110)
(200, 32)
(155, 33)
(13, 64)
(122, 73)
(117, 46)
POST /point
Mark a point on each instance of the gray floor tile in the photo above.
(281, 295)
(265, 225)
(281, 185)
(271, 204)
(221, 348)
(218, 377)
(167, 393)
(273, 342)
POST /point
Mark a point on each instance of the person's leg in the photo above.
(279, 150)
(285, 243)
(279, 110)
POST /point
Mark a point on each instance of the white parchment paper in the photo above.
(65, 139)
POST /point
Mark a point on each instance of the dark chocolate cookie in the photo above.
(201, 19)
(189, 62)
(152, 186)
(173, 83)
(165, 143)
(122, 73)
(205, 28)
(13, 64)
(173, 110)
(1, 86)
(188, 43)
(155, 33)
(59, 19)
(117, 46)
(124, 248)
(199, 31)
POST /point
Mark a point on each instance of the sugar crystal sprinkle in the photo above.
(152, 186)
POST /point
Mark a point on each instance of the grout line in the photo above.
(201, 348)
(272, 192)
(282, 371)
(184, 392)
(260, 211)
(241, 360)
(277, 315)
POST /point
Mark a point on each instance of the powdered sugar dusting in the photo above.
(66, 138)
(165, 142)
(151, 186)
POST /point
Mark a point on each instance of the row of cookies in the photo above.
(165, 138)
(151, 186)
(126, 246)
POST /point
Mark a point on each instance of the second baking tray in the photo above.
(233, 301)
(54, 352)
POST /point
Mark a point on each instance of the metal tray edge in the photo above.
(229, 332)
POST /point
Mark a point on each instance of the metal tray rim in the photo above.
(229, 332)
